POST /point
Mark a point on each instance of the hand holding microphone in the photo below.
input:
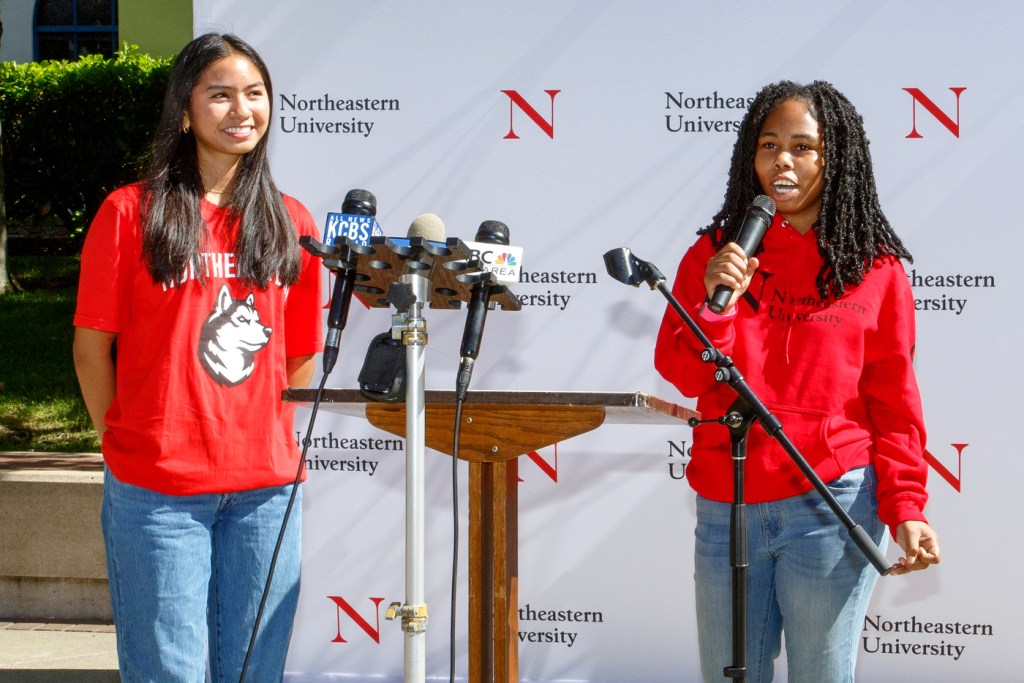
(728, 274)
(730, 269)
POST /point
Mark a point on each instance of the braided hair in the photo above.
(852, 230)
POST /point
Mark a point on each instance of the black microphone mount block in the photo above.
(450, 265)
(338, 256)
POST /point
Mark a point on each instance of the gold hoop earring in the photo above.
(186, 129)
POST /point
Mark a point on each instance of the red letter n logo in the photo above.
(550, 469)
(516, 100)
(357, 619)
(944, 472)
(933, 109)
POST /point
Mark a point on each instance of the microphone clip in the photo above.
(625, 267)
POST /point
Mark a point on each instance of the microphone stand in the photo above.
(746, 410)
(449, 271)
(409, 295)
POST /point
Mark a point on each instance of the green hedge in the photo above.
(74, 131)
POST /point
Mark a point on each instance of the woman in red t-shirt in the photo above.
(197, 275)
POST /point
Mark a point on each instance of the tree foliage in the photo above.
(74, 131)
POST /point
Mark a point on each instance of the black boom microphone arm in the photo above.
(625, 267)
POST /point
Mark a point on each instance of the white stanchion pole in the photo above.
(414, 612)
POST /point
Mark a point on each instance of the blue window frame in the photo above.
(68, 29)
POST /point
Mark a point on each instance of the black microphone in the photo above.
(756, 223)
(489, 232)
(357, 203)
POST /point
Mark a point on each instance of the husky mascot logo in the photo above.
(230, 338)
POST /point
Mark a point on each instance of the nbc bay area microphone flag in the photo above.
(502, 260)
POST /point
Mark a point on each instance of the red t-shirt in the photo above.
(200, 369)
(837, 374)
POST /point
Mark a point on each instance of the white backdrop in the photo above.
(613, 159)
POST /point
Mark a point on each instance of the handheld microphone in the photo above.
(497, 256)
(489, 232)
(756, 222)
(357, 219)
(359, 204)
(417, 260)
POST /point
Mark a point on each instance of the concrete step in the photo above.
(52, 563)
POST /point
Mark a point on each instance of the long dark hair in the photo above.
(173, 227)
(852, 230)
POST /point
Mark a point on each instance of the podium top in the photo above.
(502, 425)
(619, 407)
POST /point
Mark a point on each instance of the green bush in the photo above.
(74, 131)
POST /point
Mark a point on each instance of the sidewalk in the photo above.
(34, 652)
(55, 651)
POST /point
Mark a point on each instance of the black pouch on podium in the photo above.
(382, 377)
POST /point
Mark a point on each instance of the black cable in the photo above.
(284, 524)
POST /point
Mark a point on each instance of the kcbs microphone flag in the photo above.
(359, 228)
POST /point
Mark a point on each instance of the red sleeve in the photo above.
(677, 352)
(303, 310)
(110, 256)
(893, 401)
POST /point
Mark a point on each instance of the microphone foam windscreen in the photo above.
(428, 226)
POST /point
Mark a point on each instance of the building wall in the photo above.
(16, 44)
(159, 27)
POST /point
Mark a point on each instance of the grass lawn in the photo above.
(41, 408)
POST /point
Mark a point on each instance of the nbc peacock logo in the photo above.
(502, 260)
(506, 259)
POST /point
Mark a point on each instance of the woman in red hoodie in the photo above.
(821, 325)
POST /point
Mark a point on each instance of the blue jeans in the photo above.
(186, 577)
(806, 577)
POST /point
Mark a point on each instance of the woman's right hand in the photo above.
(730, 267)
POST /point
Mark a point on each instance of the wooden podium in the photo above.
(498, 427)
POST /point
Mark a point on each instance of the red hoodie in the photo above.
(837, 374)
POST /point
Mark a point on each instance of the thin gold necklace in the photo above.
(209, 191)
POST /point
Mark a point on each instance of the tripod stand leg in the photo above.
(739, 419)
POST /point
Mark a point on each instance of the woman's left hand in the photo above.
(920, 545)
